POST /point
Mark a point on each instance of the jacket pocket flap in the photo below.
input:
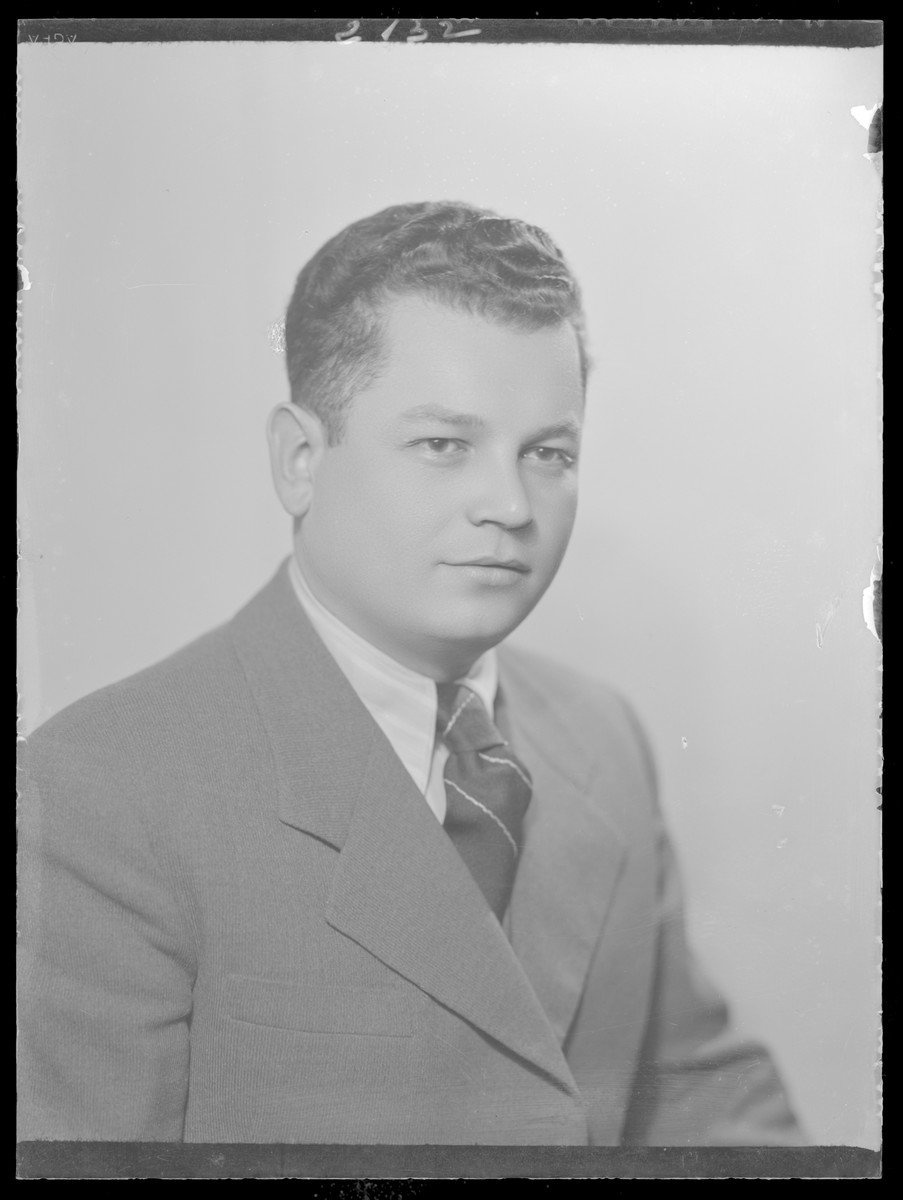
(321, 1007)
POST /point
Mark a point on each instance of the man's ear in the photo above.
(297, 442)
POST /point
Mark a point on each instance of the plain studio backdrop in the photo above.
(718, 207)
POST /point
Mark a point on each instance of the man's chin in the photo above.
(479, 631)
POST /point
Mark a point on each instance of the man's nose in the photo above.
(500, 496)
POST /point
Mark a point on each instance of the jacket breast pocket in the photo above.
(322, 1007)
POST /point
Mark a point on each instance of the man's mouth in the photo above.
(509, 564)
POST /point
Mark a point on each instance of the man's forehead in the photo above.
(422, 333)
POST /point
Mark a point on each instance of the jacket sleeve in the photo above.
(106, 960)
(697, 1084)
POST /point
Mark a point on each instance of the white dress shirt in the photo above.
(402, 702)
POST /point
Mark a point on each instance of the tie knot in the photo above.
(462, 720)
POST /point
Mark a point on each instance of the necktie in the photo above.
(487, 792)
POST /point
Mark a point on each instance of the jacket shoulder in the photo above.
(178, 703)
(588, 716)
(553, 678)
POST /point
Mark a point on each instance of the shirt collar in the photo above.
(403, 702)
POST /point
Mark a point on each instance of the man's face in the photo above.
(442, 516)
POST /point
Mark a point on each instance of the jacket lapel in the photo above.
(400, 888)
(572, 855)
(403, 892)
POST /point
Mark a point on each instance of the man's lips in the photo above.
(510, 564)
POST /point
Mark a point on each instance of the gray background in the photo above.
(718, 208)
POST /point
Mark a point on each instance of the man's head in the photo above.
(437, 364)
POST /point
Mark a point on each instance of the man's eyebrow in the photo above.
(569, 427)
(447, 416)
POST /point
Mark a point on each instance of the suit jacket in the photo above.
(241, 922)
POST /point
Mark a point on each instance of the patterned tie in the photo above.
(487, 792)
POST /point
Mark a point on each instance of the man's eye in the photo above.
(552, 455)
(443, 447)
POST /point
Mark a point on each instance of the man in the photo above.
(341, 871)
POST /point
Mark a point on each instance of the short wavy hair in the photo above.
(467, 258)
